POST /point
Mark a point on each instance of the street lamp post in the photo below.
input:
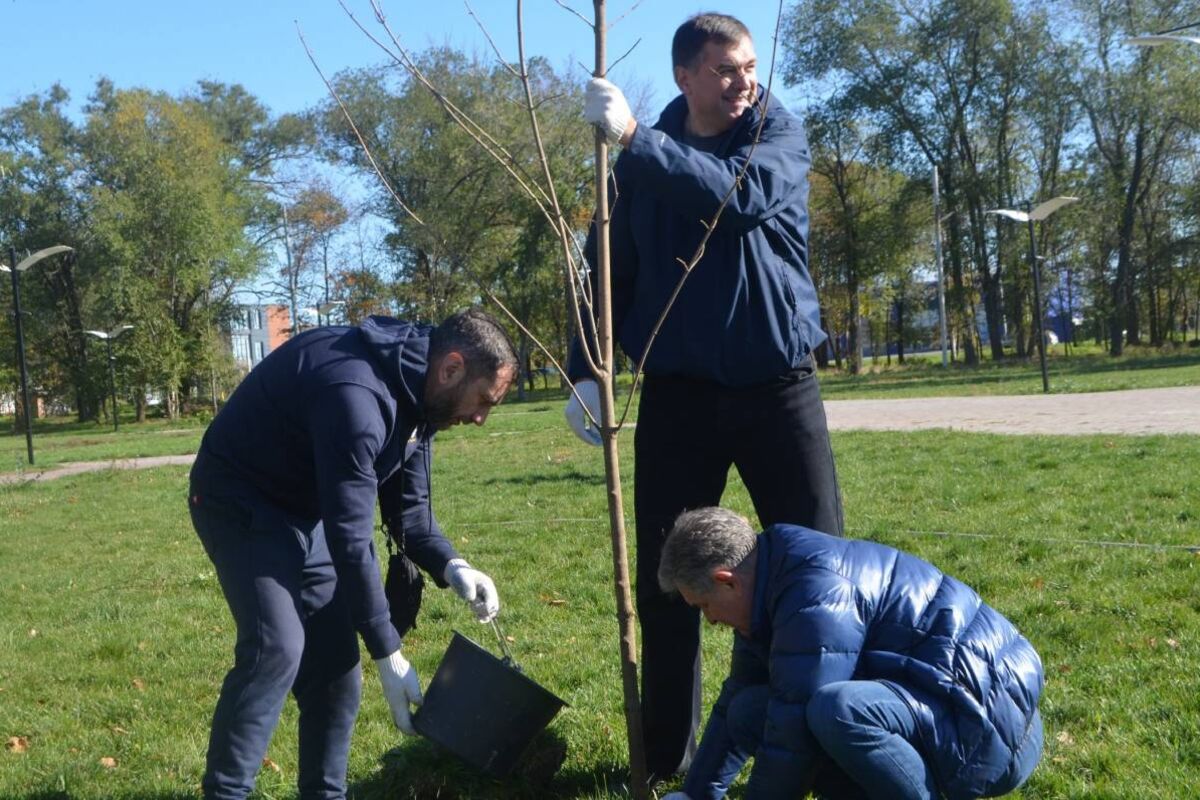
(1030, 215)
(16, 270)
(1165, 37)
(108, 337)
(326, 309)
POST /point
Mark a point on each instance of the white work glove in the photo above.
(577, 418)
(474, 587)
(605, 107)
(401, 688)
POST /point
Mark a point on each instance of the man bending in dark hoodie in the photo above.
(283, 496)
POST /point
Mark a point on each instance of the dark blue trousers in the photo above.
(293, 634)
(689, 433)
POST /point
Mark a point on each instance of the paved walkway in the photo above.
(1137, 412)
(76, 467)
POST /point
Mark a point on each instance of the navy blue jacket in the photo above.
(748, 313)
(314, 433)
(828, 609)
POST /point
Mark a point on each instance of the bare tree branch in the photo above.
(483, 29)
(613, 24)
(561, 229)
(586, 21)
(353, 127)
(625, 54)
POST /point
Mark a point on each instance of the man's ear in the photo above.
(724, 577)
(451, 369)
(681, 79)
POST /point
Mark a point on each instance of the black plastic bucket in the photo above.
(482, 709)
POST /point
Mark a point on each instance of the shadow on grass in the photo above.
(422, 771)
(543, 478)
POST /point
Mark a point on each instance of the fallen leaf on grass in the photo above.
(16, 744)
(119, 729)
(1172, 643)
(108, 762)
(551, 600)
(271, 765)
(510, 639)
(32, 632)
(1039, 584)
(139, 684)
(1065, 739)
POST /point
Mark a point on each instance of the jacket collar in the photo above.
(672, 118)
(760, 622)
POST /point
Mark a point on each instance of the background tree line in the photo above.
(177, 206)
(1012, 101)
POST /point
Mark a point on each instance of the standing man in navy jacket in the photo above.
(858, 670)
(283, 497)
(730, 379)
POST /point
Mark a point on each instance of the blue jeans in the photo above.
(869, 742)
(293, 634)
(870, 733)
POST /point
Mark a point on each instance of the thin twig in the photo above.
(353, 127)
(613, 24)
(469, 126)
(586, 21)
(709, 227)
(624, 55)
(488, 36)
(561, 231)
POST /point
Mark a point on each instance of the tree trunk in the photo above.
(527, 374)
(958, 298)
(622, 588)
(854, 328)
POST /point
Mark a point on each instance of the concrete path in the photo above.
(76, 467)
(1136, 412)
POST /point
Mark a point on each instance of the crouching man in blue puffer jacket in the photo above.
(858, 670)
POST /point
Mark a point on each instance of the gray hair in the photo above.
(479, 337)
(701, 542)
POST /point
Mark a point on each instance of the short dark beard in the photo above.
(439, 408)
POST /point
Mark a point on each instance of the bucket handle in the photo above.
(508, 659)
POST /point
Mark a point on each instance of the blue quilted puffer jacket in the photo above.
(828, 609)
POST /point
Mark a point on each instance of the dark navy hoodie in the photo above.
(313, 434)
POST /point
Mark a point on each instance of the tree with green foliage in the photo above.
(1141, 113)
(469, 226)
(865, 213)
(162, 199)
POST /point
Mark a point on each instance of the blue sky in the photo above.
(170, 44)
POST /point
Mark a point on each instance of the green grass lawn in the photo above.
(114, 636)
(60, 439)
